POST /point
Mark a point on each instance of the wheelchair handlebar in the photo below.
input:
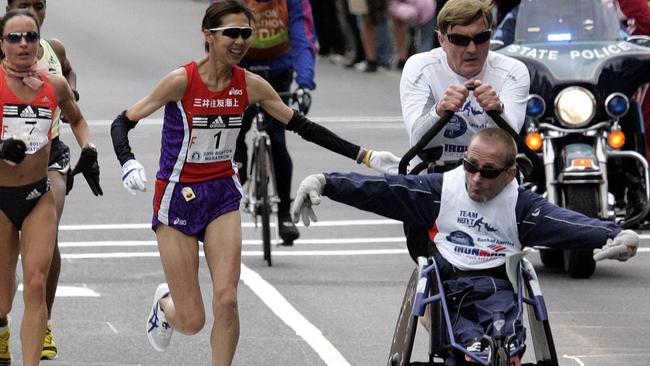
(428, 136)
(521, 145)
(500, 122)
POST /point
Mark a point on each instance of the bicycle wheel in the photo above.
(262, 181)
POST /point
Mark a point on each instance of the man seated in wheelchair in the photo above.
(478, 216)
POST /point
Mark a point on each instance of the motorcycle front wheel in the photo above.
(552, 258)
(584, 199)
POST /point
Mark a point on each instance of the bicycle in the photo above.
(261, 193)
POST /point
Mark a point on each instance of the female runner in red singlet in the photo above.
(28, 99)
(197, 192)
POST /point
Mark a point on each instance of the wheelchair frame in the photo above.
(426, 288)
(421, 284)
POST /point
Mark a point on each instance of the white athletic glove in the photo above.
(384, 162)
(133, 176)
(622, 247)
(308, 194)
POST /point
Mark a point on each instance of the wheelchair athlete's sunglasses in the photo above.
(487, 173)
(463, 40)
(234, 32)
(16, 37)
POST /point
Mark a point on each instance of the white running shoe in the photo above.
(159, 331)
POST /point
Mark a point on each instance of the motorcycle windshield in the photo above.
(577, 41)
(566, 21)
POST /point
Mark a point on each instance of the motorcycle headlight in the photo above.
(575, 106)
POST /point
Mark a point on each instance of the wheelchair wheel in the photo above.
(404, 334)
(263, 179)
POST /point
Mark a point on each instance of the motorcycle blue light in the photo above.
(535, 106)
(617, 105)
(558, 37)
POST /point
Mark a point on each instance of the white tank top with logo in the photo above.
(51, 61)
(476, 235)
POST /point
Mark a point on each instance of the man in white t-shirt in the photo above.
(437, 81)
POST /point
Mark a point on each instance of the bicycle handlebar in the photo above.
(300, 97)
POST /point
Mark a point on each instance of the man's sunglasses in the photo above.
(234, 32)
(487, 173)
(463, 40)
(16, 37)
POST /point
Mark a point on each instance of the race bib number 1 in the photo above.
(213, 138)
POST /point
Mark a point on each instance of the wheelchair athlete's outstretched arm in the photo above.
(260, 91)
(411, 199)
(542, 223)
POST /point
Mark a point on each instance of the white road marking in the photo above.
(245, 225)
(71, 291)
(112, 328)
(247, 242)
(290, 316)
(576, 359)
(639, 355)
(257, 253)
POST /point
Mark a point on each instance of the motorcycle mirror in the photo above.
(524, 164)
(639, 40)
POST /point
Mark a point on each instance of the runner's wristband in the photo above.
(366, 159)
(362, 155)
(320, 135)
(119, 134)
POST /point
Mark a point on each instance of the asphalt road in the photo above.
(333, 298)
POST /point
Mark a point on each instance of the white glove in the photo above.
(384, 162)
(622, 247)
(133, 176)
(308, 194)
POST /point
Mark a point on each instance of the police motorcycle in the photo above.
(425, 289)
(580, 112)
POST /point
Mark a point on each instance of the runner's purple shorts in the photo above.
(191, 207)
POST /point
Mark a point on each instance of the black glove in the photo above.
(88, 166)
(12, 150)
(303, 99)
(69, 183)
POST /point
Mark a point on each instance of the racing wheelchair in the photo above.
(426, 288)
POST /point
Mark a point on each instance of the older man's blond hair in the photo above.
(464, 12)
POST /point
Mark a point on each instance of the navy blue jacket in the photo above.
(415, 200)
